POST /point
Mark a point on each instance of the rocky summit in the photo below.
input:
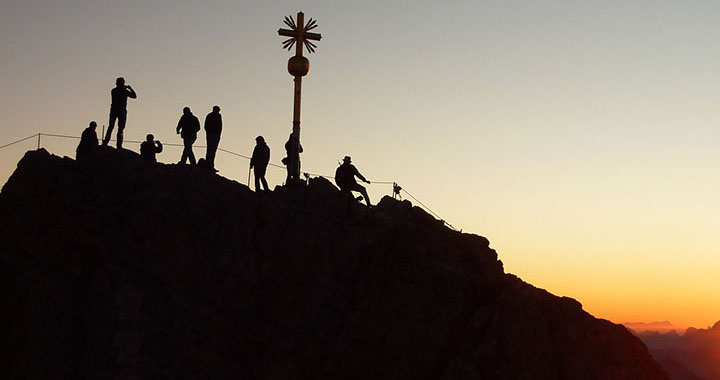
(115, 268)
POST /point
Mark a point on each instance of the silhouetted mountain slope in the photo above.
(676, 369)
(118, 269)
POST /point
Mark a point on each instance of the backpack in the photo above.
(344, 176)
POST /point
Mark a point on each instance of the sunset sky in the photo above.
(580, 138)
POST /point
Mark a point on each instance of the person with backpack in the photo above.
(293, 148)
(345, 179)
(188, 127)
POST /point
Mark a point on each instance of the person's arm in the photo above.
(179, 127)
(207, 122)
(158, 149)
(131, 92)
(252, 159)
(357, 173)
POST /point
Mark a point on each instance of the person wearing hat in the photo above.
(213, 128)
(345, 179)
(259, 160)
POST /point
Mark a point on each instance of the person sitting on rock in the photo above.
(259, 161)
(88, 141)
(149, 148)
(345, 179)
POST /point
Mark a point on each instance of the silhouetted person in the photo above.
(292, 161)
(259, 161)
(88, 141)
(345, 178)
(118, 109)
(213, 128)
(188, 127)
(149, 148)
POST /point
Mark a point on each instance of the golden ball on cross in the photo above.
(298, 66)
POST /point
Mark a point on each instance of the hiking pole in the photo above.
(249, 169)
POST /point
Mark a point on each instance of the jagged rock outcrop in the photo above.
(114, 268)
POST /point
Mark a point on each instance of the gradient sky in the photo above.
(579, 137)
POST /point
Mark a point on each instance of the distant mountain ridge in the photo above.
(697, 350)
(664, 326)
(117, 268)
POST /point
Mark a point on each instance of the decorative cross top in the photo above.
(299, 33)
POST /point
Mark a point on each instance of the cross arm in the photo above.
(295, 34)
(312, 36)
(287, 33)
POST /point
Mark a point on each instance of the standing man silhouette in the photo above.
(188, 127)
(213, 128)
(260, 159)
(118, 109)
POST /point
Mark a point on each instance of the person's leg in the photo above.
(212, 144)
(111, 125)
(361, 189)
(122, 119)
(191, 155)
(184, 156)
(294, 169)
(257, 179)
(260, 176)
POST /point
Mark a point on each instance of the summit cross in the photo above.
(298, 66)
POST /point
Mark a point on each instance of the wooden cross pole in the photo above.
(298, 67)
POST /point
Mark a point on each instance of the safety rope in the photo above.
(19, 141)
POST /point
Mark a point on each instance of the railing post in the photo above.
(39, 134)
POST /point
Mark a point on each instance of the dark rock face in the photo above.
(115, 268)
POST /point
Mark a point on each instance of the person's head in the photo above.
(150, 138)
(186, 111)
(260, 140)
(93, 124)
(120, 82)
(346, 160)
(216, 109)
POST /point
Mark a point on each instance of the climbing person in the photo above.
(213, 128)
(292, 161)
(259, 161)
(150, 147)
(188, 127)
(118, 109)
(345, 179)
(88, 141)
